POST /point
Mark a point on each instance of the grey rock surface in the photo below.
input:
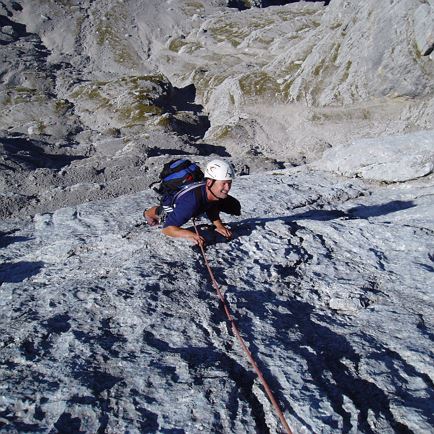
(278, 84)
(108, 326)
(424, 29)
(390, 159)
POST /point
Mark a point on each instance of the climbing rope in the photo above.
(236, 332)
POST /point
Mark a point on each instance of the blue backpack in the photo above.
(176, 175)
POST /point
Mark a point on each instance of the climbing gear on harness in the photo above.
(236, 332)
(219, 170)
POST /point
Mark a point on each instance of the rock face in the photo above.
(276, 85)
(106, 325)
(55, 104)
(424, 28)
(391, 159)
(311, 68)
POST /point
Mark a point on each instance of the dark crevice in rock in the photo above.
(198, 359)
(105, 340)
(244, 380)
(207, 149)
(93, 377)
(16, 30)
(183, 99)
(57, 324)
(149, 420)
(68, 424)
(304, 256)
(19, 271)
(363, 211)
(242, 5)
(6, 240)
(424, 329)
(328, 365)
(31, 154)
(328, 250)
(185, 117)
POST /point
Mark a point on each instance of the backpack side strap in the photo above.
(187, 188)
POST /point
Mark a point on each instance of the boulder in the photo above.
(424, 29)
(389, 159)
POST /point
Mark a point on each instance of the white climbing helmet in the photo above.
(219, 170)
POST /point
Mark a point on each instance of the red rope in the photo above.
(241, 340)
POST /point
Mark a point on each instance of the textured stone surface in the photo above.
(424, 29)
(390, 159)
(107, 325)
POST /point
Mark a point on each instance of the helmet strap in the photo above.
(209, 188)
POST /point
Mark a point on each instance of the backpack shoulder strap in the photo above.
(194, 186)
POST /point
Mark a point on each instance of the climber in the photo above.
(210, 196)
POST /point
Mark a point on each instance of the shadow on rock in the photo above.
(68, 424)
(183, 99)
(57, 324)
(245, 227)
(96, 379)
(16, 30)
(203, 148)
(103, 341)
(186, 117)
(155, 152)
(207, 231)
(30, 154)
(328, 365)
(243, 5)
(19, 271)
(6, 240)
(206, 149)
(200, 358)
(326, 355)
(192, 127)
(363, 211)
